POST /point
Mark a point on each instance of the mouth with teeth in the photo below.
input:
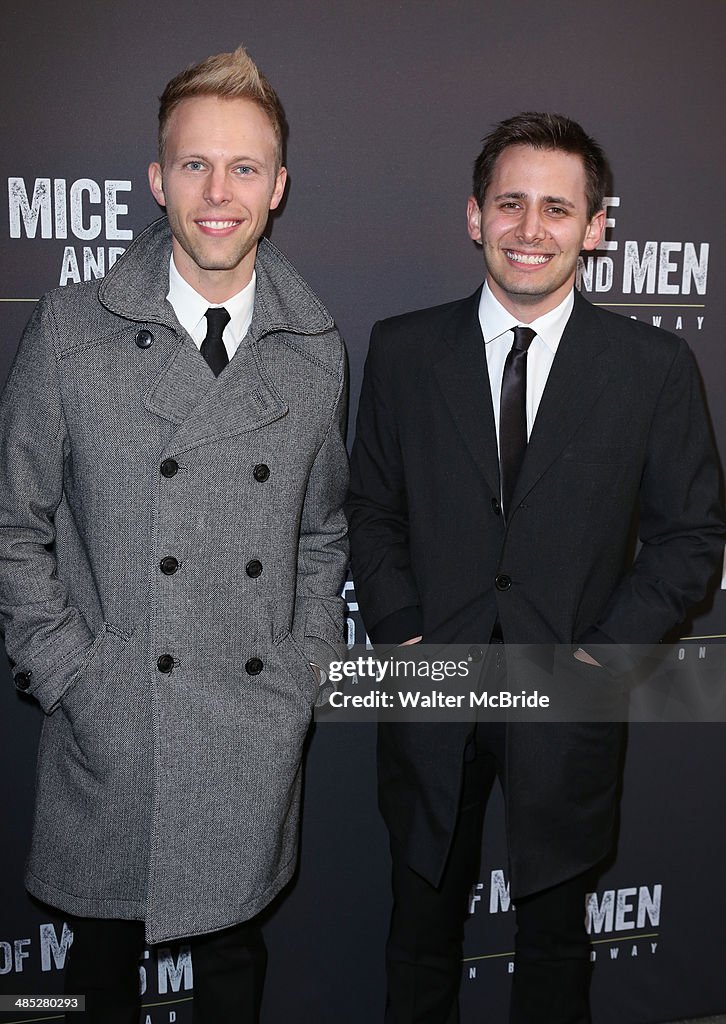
(217, 228)
(528, 259)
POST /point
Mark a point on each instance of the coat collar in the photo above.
(136, 288)
(185, 391)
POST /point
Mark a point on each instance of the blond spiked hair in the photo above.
(228, 76)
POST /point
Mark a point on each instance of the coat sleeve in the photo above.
(377, 509)
(322, 559)
(681, 528)
(47, 639)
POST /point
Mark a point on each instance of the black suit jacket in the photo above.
(621, 435)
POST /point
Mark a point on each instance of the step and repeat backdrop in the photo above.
(387, 103)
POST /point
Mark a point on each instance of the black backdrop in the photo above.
(387, 102)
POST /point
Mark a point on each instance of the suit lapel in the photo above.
(464, 382)
(579, 373)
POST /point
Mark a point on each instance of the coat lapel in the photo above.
(464, 381)
(579, 373)
(182, 384)
(186, 392)
(136, 288)
(206, 407)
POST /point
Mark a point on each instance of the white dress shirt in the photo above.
(190, 307)
(498, 325)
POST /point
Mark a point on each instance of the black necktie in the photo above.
(213, 348)
(513, 414)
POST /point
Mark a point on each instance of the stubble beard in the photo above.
(228, 261)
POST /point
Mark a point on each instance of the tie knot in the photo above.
(217, 320)
(523, 337)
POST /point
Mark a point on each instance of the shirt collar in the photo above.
(190, 307)
(496, 320)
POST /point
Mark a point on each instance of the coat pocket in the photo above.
(295, 661)
(91, 676)
(584, 692)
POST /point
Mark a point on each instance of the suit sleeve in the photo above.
(323, 545)
(377, 509)
(681, 524)
(47, 639)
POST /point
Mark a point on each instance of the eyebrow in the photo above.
(556, 200)
(234, 159)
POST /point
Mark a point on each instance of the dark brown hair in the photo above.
(544, 131)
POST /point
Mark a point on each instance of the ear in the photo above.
(473, 219)
(594, 231)
(155, 183)
(279, 189)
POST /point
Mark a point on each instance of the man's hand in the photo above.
(584, 656)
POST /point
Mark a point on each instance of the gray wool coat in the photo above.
(172, 551)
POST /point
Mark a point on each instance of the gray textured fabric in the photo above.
(171, 797)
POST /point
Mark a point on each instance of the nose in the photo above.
(531, 225)
(217, 190)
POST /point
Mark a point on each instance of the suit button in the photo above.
(165, 663)
(254, 568)
(22, 680)
(253, 667)
(496, 507)
(502, 581)
(144, 338)
(475, 654)
(261, 472)
(169, 565)
(169, 468)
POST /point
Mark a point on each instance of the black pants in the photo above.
(103, 965)
(424, 950)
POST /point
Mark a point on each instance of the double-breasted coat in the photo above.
(621, 437)
(172, 551)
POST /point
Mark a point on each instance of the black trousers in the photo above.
(424, 950)
(103, 964)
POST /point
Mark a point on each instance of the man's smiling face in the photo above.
(219, 181)
(532, 225)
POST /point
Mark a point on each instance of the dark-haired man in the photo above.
(172, 550)
(505, 443)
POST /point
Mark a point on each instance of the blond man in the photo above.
(171, 560)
